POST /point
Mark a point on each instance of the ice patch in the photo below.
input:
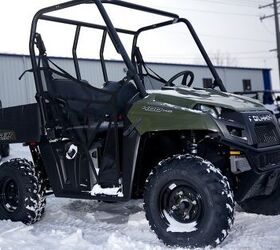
(137, 220)
(97, 189)
(163, 161)
(230, 195)
(34, 201)
(30, 208)
(76, 239)
(179, 157)
(211, 167)
(19, 228)
(218, 241)
(177, 227)
(224, 232)
(229, 207)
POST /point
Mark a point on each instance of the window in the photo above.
(207, 82)
(247, 86)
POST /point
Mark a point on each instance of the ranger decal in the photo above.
(7, 135)
(156, 109)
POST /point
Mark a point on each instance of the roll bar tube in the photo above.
(101, 54)
(141, 8)
(74, 53)
(113, 33)
(218, 81)
(120, 48)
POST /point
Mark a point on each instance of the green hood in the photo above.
(188, 97)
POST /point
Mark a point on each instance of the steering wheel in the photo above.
(185, 75)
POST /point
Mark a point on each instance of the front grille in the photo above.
(266, 134)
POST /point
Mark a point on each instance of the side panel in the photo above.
(68, 178)
(149, 115)
(20, 124)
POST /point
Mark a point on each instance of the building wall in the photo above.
(231, 77)
(14, 92)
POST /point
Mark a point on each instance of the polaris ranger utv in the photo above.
(183, 149)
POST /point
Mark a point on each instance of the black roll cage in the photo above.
(113, 33)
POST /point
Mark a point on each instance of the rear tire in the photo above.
(188, 202)
(22, 192)
(5, 150)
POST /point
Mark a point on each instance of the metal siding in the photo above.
(14, 92)
(234, 79)
(91, 71)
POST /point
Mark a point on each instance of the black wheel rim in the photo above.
(180, 201)
(10, 195)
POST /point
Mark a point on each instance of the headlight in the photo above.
(213, 111)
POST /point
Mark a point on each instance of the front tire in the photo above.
(22, 193)
(188, 202)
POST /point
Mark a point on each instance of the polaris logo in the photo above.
(260, 118)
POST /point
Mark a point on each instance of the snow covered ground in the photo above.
(77, 224)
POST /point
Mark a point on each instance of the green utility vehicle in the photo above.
(185, 150)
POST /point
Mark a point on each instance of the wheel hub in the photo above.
(182, 203)
(183, 207)
(9, 195)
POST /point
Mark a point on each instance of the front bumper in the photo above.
(259, 140)
(260, 159)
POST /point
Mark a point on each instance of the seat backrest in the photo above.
(83, 101)
(125, 91)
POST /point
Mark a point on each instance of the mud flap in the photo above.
(253, 184)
